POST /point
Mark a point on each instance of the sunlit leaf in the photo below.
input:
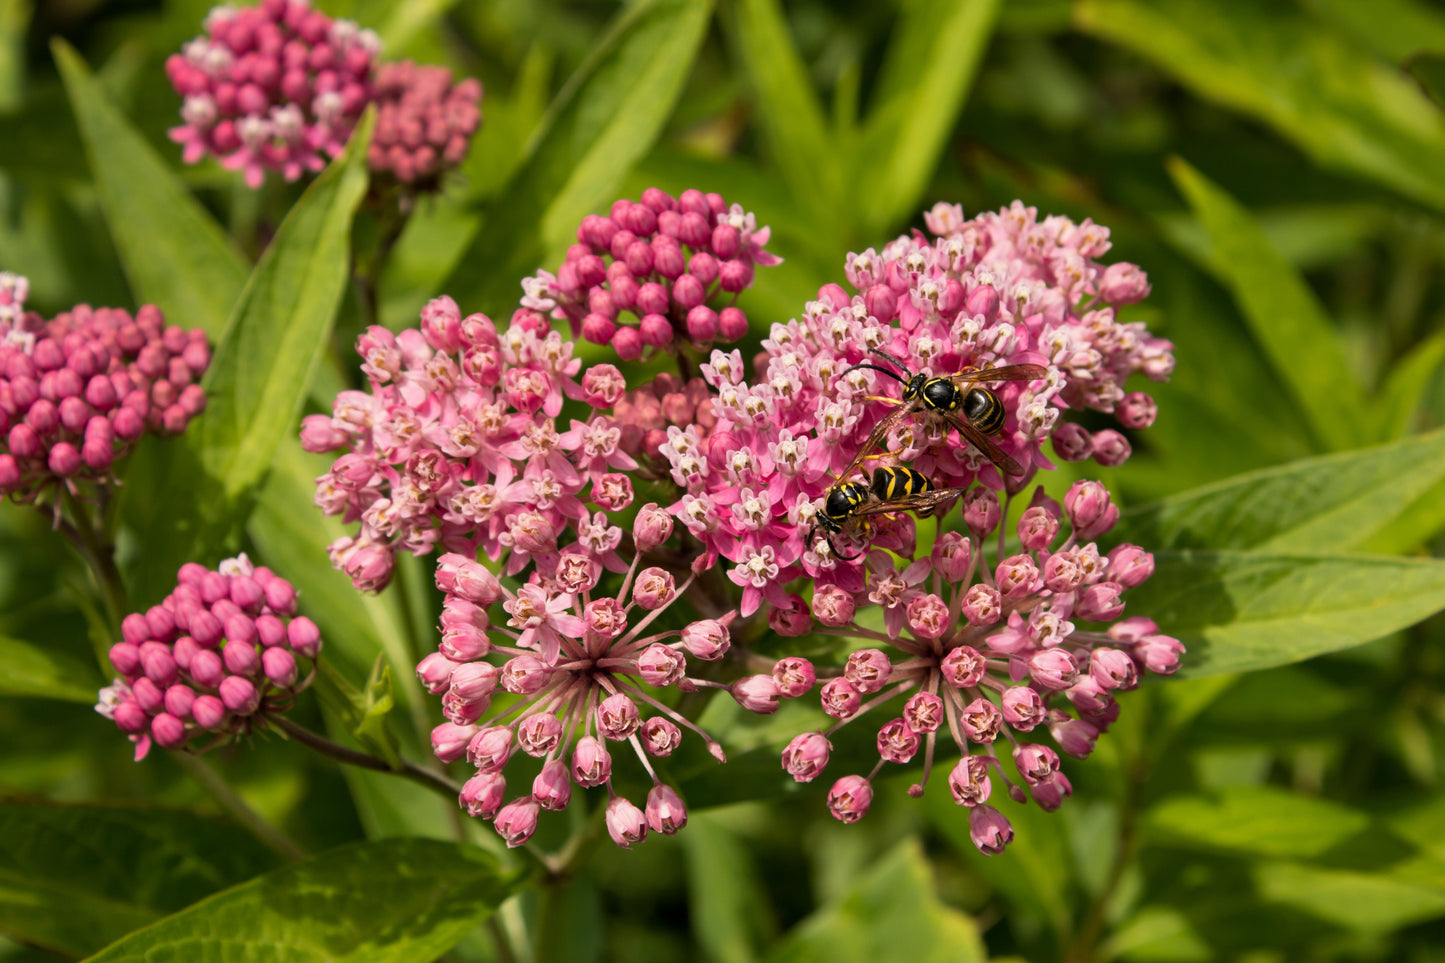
(29, 669)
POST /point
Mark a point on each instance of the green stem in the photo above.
(409, 770)
(98, 553)
(236, 807)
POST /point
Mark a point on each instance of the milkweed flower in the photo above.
(999, 289)
(278, 86)
(656, 271)
(424, 122)
(573, 671)
(77, 391)
(218, 656)
(988, 654)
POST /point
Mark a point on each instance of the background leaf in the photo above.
(395, 900)
(74, 878)
(28, 669)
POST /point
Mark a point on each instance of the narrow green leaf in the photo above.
(1394, 29)
(607, 117)
(259, 375)
(1373, 902)
(173, 252)
(1283, 313)
(927, 73)
(893, 913)
(371, 728)
(1345, 109)
(1256, 821)
(1406, 384)
(28, 669)
(393, 901)
(1241, 611)
(1332, 503)
(74, 878)
(730, 920)
(791, 116)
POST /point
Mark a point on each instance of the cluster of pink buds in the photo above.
(424, 122)
(985, 652)
(645, 414)
(1001, 289)
(458, 444)
(77, 391)
(276, 87)
(577, 673)
(213, 660)
(676, 265)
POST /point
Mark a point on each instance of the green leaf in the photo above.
(173, 252)
(789, 112)
(375, 705)
(893, 913)
(1372, 902)
(395, 900)
(927, 73)
(1241, 611)
(1332, 503)
(27, 669)
(729, 919)
(1283, 313)
(607, 117)
(1256, 821)
(74, 878)
(1406, 384)
(1342, 107)
(259, 375)
(1394, 29)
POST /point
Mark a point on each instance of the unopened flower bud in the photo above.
(660, 737)
(591, 763)
(850, 798)
(482, 794)
(552, 788)
(868, 670)
(840, 698)
(239, 695)
(517, 821)
(706, 639)
(1090, 510)
(449, 740)
(756, 693)
(969, 782)
(806, 756)
(989, 830)
(666, 812)
(626, 824)
(794, 676)
(617, 717)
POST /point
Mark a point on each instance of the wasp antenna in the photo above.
(892, 374)
(884, 354)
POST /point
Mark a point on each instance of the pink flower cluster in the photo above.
(983, 652)
(276, 87)
(217, 656)
(78, 390)
(424, 122)
(676, 265)
(458, 444)
(578, 671)
(1000, 289)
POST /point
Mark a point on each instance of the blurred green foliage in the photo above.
(1277, 166)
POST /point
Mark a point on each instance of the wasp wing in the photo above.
(925, 503)
(876, 437)
(985, 444)
(1009, 372)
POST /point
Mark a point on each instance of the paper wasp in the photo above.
(892, 490)
(959, 399)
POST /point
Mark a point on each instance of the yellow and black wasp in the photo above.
(959, 399)
(892, 490)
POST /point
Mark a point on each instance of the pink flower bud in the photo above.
(474, 681)
(805, 757)
(524, 675)
(179, 700)
(490, 748)
(168, 731)
(482, 794)
(850, 798)
(279, 666)
(241, 658)
(617, 717)
(794, 676)
(208, 711)
(435, 672)
(281, 597)
(239, 695)
(732, 323)
(969, 782)
(1123, 283)
(896, 742)
(1137, 410)
(1038, 527)
(1111, 448)
(833, 606)
(1072, 441)
(660, 665)
(981, 720)
(952, 556)
(868, 670)
(790, 619)
(1159, 653)
(539, 733)
(923, 712)
(1100, 603)
(982, 604)
(1017, 577)
(125, 656)
(1090, 510)
(1053, 669)
(449, 740)
(1130, 565)
(130, 718)
(1050, 793)
(1035, 762)
(989, 830)
(1075, 737)
(206, 669)
(660, 737)
(157, 663)
(756, 693)
(706, 639)
(517, 821)
(655, 329)
(964, 666)
(928, 616)
(981, 511)
(652, 527)
(666, 812)
(1089, 697)
(735, 275)
(552, 788)
(1023, 708)
(840, 698)
(591, 763)
(1112, 669)
(654, 589)
(247, 594)
(626, 824)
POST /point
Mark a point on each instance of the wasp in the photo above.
(959, 399)
(891, 490)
